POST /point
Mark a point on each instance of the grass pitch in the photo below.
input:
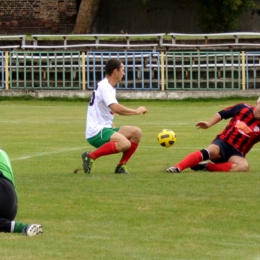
(146, 215)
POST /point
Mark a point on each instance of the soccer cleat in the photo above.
(87, 162)
(200, 167)
(173, 170)
(122, 169)
(32, 230)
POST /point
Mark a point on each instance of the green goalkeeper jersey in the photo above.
(6, 167)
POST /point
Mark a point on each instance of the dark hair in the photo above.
(111, 65)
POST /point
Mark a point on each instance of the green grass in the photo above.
(146, 215)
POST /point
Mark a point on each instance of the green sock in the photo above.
(19, 227)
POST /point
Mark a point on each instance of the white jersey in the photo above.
(99, 115)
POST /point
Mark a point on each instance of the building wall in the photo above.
(115, 16)
(37, 16)
(158, 16)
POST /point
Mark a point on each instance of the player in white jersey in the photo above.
(100, 130)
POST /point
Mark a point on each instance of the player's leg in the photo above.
(8, 226)
(239, 164)
(8, 204)
(108, 141)
(134, 135)
(234, 164)
(8, 211)
(121, 142)
(228, 160)
(193, 159)
(219, 156)
(5, 225)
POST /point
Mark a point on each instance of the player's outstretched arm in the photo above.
(205, 125)
(125, 111)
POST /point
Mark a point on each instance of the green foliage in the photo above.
(222, 15)
(147, 215)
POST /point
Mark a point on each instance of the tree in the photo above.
(86, 15)
(221, 15)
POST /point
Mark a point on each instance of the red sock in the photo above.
(105, 149)
(127, 154)
(191, 160)
(219, 167)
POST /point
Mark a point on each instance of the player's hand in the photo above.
(141, 110)
(202, 124)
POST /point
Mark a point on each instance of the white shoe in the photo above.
(33, 229)
(173, 169)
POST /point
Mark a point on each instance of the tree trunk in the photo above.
(86, 16)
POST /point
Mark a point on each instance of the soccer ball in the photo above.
(166, 138)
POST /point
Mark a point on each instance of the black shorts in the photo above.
(226, 150)
(8, 199)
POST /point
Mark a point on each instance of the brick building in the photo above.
(37, 16)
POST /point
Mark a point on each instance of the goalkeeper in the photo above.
(9, 203)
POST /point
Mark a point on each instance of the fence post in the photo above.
(243, 71)
(83, 64)
(162, 72)
(6, 71)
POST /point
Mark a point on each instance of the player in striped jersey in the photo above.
(227, 151)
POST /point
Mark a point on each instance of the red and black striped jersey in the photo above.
(243, 130)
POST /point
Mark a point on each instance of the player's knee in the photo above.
(125, 144)
(205, 154)
(243, 167)
(137, 133)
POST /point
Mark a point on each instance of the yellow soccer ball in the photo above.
(167, 138)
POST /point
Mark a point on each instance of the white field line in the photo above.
(37, 122)
(26, 157)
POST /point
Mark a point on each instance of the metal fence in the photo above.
(138, 73)
(202, 70)
(2, 73)
(144, 70)
(45, 70)
(76, 70)
(252, 69)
